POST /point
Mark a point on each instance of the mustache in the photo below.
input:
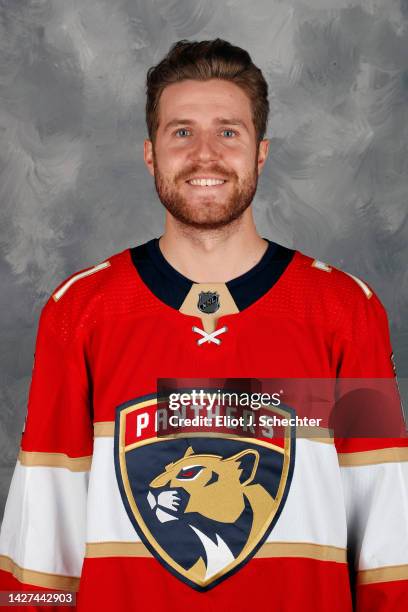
(216, 169)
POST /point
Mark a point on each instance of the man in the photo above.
(106, 500)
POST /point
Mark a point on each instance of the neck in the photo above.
(213, 255)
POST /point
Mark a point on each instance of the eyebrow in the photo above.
(218, 120)
(231, 121)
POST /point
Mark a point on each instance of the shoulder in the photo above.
(326, 277)
(82, 297)
(94, 279)
(347, 300)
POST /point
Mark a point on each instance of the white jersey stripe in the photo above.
(60, 292)
(366, 289)
(376, 498)
(321, 522)
(43, 528)
(57, 501)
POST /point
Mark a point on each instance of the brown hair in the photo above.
(207, 59)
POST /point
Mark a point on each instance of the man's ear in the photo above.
(247, 463)
(263, 150)
(148, 155)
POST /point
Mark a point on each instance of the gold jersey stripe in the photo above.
(383, 574)
(104, 429)
(40, 579)
(373, 457)
(318, 434)
(268, 550)
(74, 464)
(116, 549)
(309, 550)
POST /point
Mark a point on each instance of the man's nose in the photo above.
(205, 148)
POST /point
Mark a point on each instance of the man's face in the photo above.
(205, 160)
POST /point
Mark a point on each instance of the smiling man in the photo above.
(205, 166)
(106, 500)
(206, 149)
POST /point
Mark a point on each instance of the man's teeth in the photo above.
(206, 182)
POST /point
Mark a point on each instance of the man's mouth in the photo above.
(206, 182)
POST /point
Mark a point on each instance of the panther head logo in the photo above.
(211, 495)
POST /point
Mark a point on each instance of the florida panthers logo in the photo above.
(203, 506)
(208, 494)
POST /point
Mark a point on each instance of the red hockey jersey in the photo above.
(100, 504)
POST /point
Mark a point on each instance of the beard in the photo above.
(211, 212)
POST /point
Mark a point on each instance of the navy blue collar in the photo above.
(171, 287)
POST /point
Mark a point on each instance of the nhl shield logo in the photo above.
(208, 302)
(203, 506)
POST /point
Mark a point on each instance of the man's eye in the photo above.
(182, 132)
(229, 133)
(189, 473)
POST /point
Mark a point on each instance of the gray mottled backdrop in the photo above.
(73, 187)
